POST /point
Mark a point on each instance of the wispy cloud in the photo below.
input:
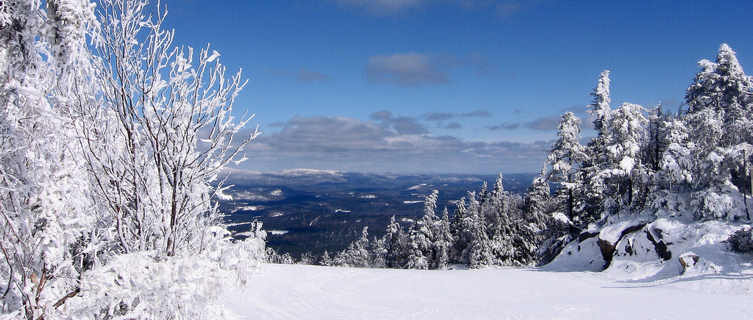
(453, 125)
(504, 126)
(383, 6)
(307, 76)
(418, 69)
(501, 8)
(443, 116)
(547, 122)
(301, 75)
(401, 125)
(405, 69)
(353, 145)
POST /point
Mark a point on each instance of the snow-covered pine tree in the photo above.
(721, 86)
(357, 253)
(600, 111)
(443, 241)
(538, 195)
(480, 252)
(625, 173)
(655, 144)
(325, 259)
(395, 241)
(564, 160)
(719, 104)
(378, 253)
(422, 238)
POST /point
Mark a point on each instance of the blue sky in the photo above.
(464, 86)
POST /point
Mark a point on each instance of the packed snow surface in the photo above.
(313, 292)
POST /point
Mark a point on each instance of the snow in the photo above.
(313, 292)
(249, 196)
(418, 186)
(611, 233)
(559, 216)
(308, 172)
(247, 208)
(627, 164)
(583, 256)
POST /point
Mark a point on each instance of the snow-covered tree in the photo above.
(628, 136)
(564, 160)
(166, 134)
(721, 92)
(538, 194)
(378, 252)
(421, 238)
(601, 112)
(395, 241)
(600, 109)
(443, 241)
(46, 225)
(357, 253)
(325, 259)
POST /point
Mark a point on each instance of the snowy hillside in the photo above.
(311, 292)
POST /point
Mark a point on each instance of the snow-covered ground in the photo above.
(312, 292)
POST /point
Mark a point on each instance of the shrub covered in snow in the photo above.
(148, 285)
(741, 240)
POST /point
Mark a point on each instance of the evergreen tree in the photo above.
(378, 253)
(721, 92)
(422, 237)
(627, 140)
(593, 165)
(600, 110)
(565, 159)
(325, 259)
(357, 253)
(443, 241)
(538, 195)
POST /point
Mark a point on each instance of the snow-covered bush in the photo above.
(272, 256)
(149, 285)
(741, 240)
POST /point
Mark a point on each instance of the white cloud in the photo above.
(347, 144)
(405, 69)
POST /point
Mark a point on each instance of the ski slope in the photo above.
(313, 292)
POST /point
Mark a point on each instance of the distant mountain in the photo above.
(317, 210)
